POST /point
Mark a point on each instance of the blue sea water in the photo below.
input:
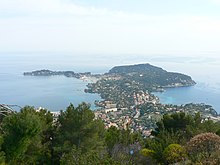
(57, 92)
(194, 94)
(54, 93)
(205, 71)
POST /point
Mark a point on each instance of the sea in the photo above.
(55, 93)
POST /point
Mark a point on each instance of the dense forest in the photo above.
(77, 137)
(150, 75)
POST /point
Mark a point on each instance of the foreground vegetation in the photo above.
(76, 137)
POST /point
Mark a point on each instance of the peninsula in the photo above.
(46, 72)
(133, 84)
(126, 86)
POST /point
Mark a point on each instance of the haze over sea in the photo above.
(57, 92)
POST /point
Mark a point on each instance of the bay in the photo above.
(204, 71)
(53, 92)
(184, 95)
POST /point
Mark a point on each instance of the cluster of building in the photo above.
(123, 119)
(144, 97)
(143, 118)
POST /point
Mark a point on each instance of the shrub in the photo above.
(174, 153)
(204, 147)
(147, 152)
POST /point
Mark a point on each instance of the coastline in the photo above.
(17, 89)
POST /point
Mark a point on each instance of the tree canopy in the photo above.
(33, 136)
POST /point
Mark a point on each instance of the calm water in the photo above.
(54, 93)
(57, 92)
(195, 94)
(205, 71)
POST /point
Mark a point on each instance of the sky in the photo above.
(111, 26)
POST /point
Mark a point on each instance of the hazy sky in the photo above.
(111, 26)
